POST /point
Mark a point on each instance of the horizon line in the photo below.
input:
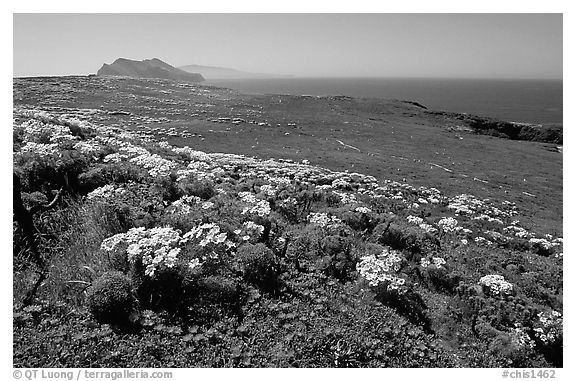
(292, 76)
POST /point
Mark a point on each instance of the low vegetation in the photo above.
(130, 251)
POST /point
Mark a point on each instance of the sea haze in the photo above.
(530, 101)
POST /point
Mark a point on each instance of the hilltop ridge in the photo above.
(149, 68)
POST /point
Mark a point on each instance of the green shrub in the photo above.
(33, 199)
(441, 279)
(359, 221)
(92, 179)
(304, 249)
(332, 199)
(218, 289)
(166, 290)
(111, 300)
(408, 304)
(259, 266)
(203, 189)
(400, 236)
(338, 260)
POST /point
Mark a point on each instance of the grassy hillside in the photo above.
(296, 231)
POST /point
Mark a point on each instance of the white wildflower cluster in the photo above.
(256, 206)
(47, 152)
(340, 183)
(209, 237)
(496, 284)
(164, 144)
(268, 190)
(156, 165)
(249, 230)
(184, 205)
(192, 154)
(549, 326)
(428, 228)
(415, 220)
(105, 192)
(448, 224)
(36, 131)
(116, 143)
(518, 231)
(287, 203)
(41, 132)
(200, 171)
(346, 198)
(206, 205)
(543, 242)
(278, 180)
(324, 220)
(88, 148)
(62, 135)
(157, 248)
(437, 262)
(198, 166)
(487, 218)
(382, 269)
(483, 241)
(363, 210)
(115, 157)
(520, 338)
(465, 204)
(429, 195)
(496, 236)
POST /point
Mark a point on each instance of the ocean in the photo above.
(528, 101)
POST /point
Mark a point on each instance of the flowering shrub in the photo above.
(496, 285)
(157, 248)
(437, 262)
(250, 231)
(383, 269)
(184, 205)
(213, 242)
(543, 246)
(255, 206)
(324, 220)
(155, 164)
(448, 224)
(549, 327)
(363, 210)
(105, 192)
(520, 338)
(419, 221)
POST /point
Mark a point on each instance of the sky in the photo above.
(306, 45)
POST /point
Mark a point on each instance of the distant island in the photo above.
(213, 72)
(151, 68)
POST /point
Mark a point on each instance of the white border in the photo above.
(296, 6)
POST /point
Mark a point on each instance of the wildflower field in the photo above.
(159, 224)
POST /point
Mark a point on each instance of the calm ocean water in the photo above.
(531, 101)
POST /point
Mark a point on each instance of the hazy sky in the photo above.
(324, 45)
